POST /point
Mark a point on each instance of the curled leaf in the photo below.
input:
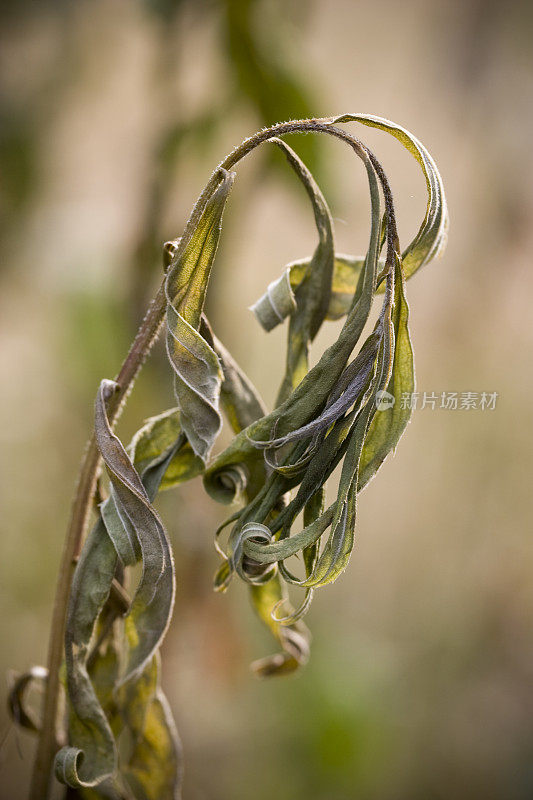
(428, 244)
(276, 304)
(242, 405)
(432, 235)
(149, 615)
(91, 757)
(21, 713)
(346, 272)
(293, 639)
(326, 403)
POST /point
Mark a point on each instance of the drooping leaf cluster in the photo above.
(275, 469)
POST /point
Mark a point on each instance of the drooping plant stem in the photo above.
(82, 502)
(79, 517)
(85, 491)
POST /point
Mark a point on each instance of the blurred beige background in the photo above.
(113, 115)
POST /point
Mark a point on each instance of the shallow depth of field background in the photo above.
(113, 115)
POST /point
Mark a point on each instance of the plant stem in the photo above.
(318, 125)
(80, 512)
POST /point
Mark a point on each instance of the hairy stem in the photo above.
(318, 125)
(80, 512)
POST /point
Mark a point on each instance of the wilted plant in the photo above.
(276, 468)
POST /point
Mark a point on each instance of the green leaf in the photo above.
(335, 556)
(157, 435)
(103, 665)
(153, 770)
(242, 405)
(313, 293)
(389, 424)
(294, 639)
(197, 371)
(91, 756)
(432, 235)
(149, 615)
